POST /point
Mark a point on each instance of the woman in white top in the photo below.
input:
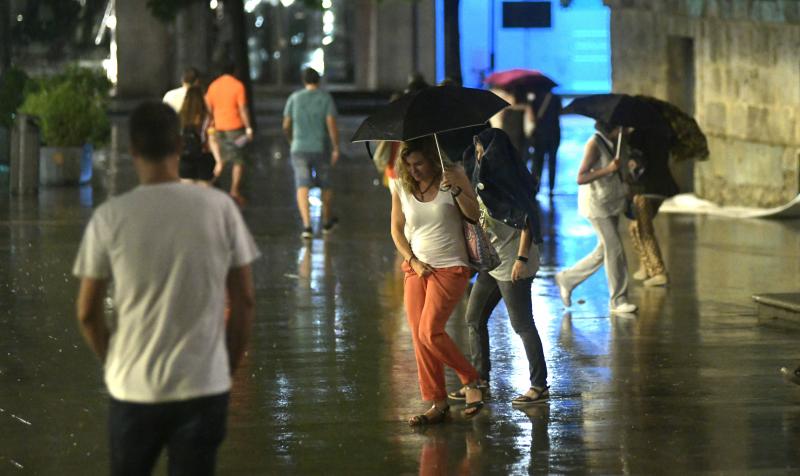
(427, 208)
(601, 199)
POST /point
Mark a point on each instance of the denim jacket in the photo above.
(503, 182)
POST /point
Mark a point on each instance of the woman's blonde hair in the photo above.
(193, 111)
(425, 146)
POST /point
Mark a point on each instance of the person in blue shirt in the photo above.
(309, 123)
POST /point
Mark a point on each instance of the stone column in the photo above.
(426, 39)
(192, 40)
(394, 43)
(364, 49)
(144, 52)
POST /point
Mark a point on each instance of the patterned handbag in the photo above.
(481, 253)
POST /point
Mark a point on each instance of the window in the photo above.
(527, 15)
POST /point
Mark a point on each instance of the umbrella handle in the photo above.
(438, 150)
(441, 160)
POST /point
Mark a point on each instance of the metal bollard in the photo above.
(24, 165)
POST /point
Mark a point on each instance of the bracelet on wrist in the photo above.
(457, 192)
(524, 259)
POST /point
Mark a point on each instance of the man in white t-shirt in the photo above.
(174, 97)
(173, 250)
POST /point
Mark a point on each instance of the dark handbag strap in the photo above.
(600, 139)
(543, 107)
(458, 206)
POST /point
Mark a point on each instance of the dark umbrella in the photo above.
(688, 140)
(430, 112)
(618, 110)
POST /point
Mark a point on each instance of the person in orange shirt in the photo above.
(227, 104)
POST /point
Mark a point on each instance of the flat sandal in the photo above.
(422, 420)
(461, 393)
(477, 406)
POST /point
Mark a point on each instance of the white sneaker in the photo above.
(564, 290)
(640, 274)
(624, 308)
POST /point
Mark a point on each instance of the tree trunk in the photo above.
(452, 41)
(235, 8)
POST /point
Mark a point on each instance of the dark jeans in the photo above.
(192, 430)
(483, 298)
(540, 151)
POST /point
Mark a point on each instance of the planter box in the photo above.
(65, 165)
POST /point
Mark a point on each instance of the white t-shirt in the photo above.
(168, 248)
(174, 98)
(605, 196)
(505, 240)
(434, 229)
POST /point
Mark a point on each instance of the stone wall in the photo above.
(743, 84)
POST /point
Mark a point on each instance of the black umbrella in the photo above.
(430, 111)
(618, 110)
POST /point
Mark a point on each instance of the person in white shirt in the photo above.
(174, 97)
(427, 207)
(173, 251)
(601, 199)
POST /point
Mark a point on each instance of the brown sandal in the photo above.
(461, 393)
(439, 417)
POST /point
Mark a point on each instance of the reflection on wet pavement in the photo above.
(688, 385)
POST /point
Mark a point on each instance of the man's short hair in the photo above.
(310, 76)
(190, 76)
(230, 68)
(154, 131)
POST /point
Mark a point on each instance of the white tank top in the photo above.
(605, 196)
(434, 229)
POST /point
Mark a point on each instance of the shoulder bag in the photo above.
(482, 255)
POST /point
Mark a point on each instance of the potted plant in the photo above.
(71, 109)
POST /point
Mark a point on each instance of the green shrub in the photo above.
(12, 93)
(71, 107)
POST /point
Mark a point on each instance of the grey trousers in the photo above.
(608, 252)
(483, 298)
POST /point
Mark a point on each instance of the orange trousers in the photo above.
(429, 302)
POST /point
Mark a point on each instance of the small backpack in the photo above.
(192, 143)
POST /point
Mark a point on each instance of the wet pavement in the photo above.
(689, 386)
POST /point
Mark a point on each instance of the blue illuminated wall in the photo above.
(575, 51)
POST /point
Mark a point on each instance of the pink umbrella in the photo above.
(529, 79)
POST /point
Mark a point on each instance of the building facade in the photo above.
(356, 44)
(733, 64)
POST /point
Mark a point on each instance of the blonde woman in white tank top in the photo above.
(427, 205)
(601, 199)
